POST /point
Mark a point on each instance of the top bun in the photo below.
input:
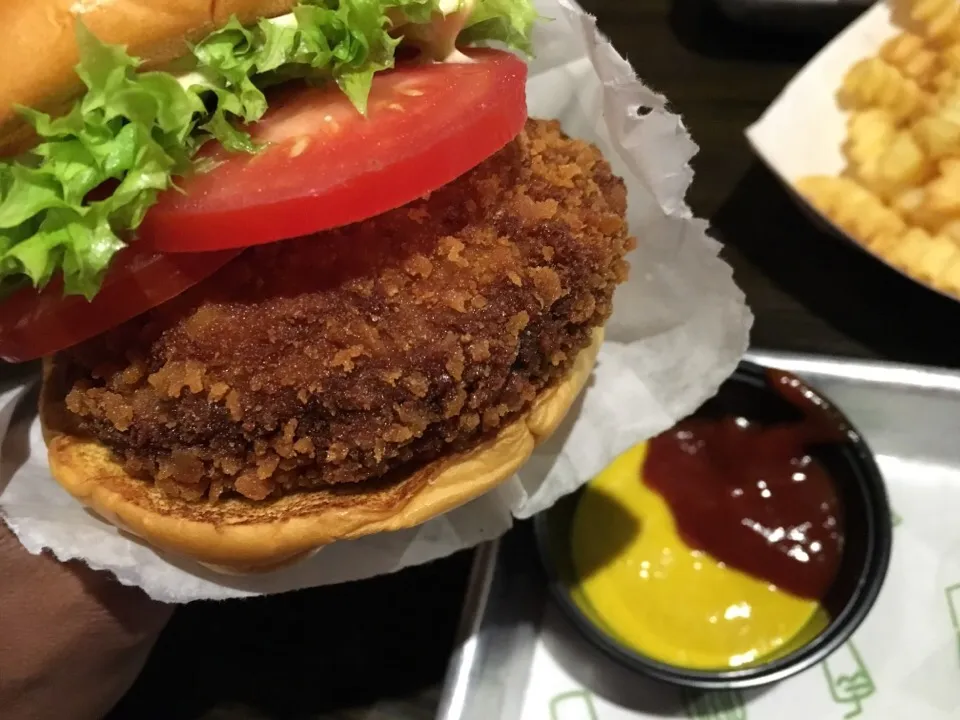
(39, 51)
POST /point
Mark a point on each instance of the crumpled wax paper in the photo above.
(679, 328)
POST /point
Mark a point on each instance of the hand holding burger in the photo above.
(72, 640)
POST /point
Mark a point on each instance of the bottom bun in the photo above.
(235, 535)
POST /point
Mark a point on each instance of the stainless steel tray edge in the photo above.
(490, 665)
(489, 668)
(872, 372)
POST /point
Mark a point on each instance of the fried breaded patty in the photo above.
(338, 357)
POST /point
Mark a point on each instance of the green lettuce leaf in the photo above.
(132, 132)
(508, 22)
(132, 128)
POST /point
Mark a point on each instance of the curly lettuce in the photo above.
(506, 22)
(70, 204)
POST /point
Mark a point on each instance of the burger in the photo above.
(298, 271)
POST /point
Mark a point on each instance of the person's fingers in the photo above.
(72, 640)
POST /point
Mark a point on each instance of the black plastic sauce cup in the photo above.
(863, 564)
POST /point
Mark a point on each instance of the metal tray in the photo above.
(905, 413)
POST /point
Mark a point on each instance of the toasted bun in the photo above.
(39, 49)
(239, 536)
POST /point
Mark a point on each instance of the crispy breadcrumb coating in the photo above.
(338, 357)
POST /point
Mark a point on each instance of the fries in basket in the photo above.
(899, 194)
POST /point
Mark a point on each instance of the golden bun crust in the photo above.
(238, 536)
(39, 51)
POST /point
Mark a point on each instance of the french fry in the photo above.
(899, 195)
(921, 255)
(950, 59)
(942, 196)
(938, 19)
(851, 206)
(951, 230)
(898, 165)
(949, 281)
(868, 132)
(912, 206)
(910, 54)
(938, 136)
(939, 132)
(873, 82)
(944, 83)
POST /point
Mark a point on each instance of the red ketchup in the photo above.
(751, 496)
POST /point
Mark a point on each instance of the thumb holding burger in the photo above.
(72, 640)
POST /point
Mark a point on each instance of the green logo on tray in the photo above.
(724, 705)
(573, 705)
(848, 679)
(895, 518)
(953, 607)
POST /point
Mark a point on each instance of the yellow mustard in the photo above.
(639, 581)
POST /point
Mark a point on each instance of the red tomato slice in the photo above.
(36, 324)
(326, 166)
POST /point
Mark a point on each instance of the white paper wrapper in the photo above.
(679, 329)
